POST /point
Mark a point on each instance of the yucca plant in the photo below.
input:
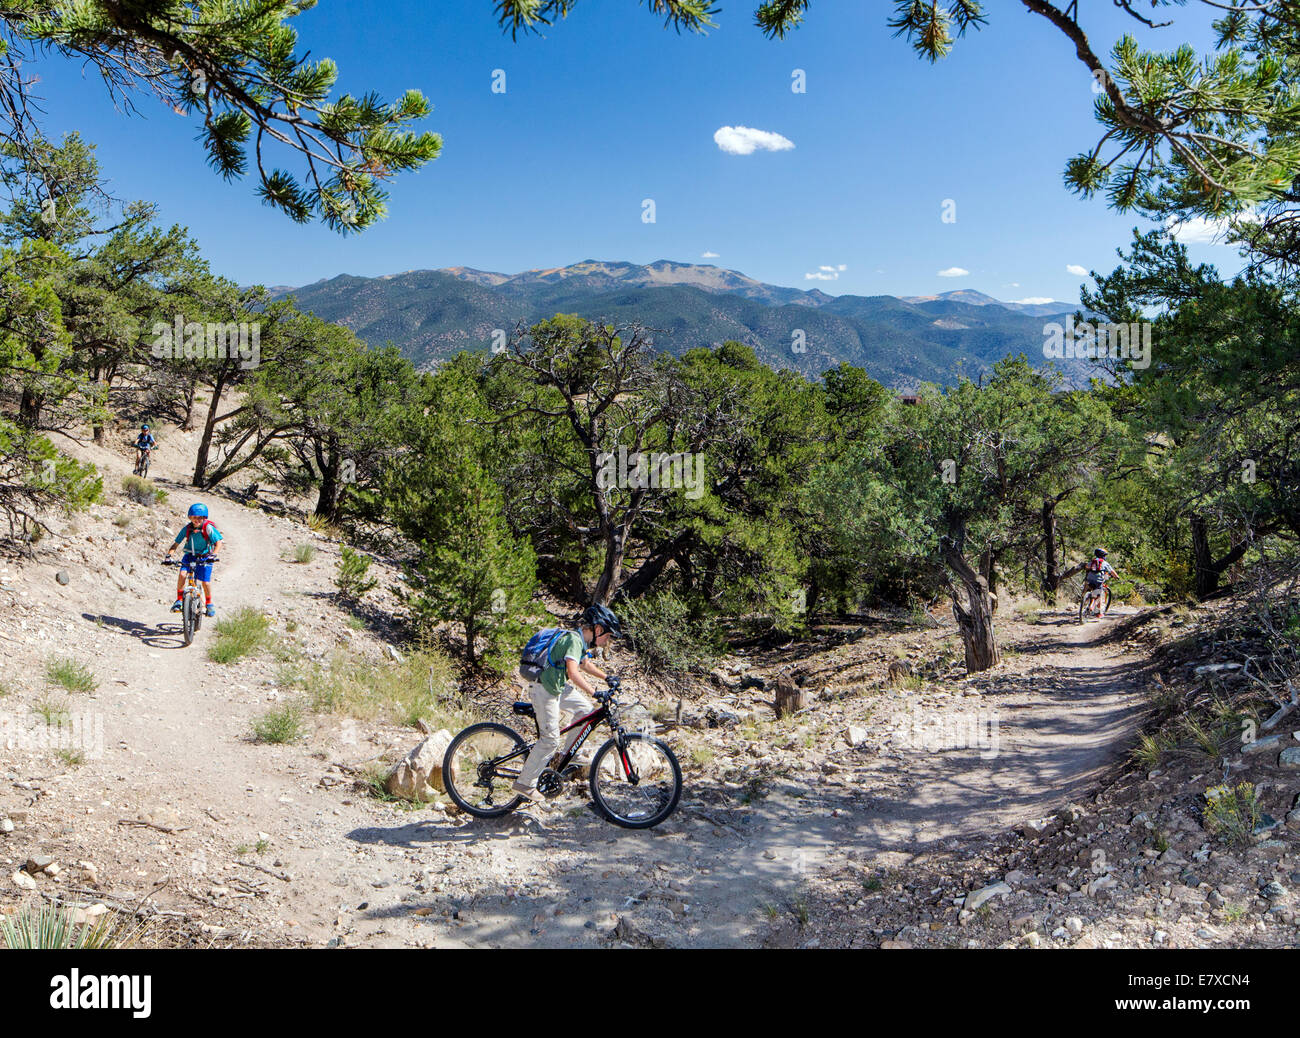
(41, 926)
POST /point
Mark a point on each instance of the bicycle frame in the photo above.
(588, 722)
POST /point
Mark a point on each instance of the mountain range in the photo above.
(432, 314)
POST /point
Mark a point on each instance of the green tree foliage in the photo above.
(34, 478)
(1220, 403)
(237, 69)
(588, 397)
(354, 581)
(466, 566)
(958, 483)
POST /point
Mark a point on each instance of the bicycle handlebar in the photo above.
(204, 560)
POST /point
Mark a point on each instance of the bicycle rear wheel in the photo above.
(645, 797)
(479, 767)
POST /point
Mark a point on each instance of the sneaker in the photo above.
(527, 792)
(176, 606)
(210, 611)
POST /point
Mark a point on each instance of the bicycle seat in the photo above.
(524, 709)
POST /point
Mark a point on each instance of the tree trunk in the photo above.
(187, 423)
(97, 427)
(205, 444)
(975, 619)
(989, 571)
(1051, 562)
(29, 409)
(789, 696)
(648, 572)
(1206, 576)
(471, 634)
(615, 547)
(327, 502)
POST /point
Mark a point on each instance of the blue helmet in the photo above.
(145, 427)
(602, 615)
(199, 510)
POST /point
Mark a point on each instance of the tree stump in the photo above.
(789, 696)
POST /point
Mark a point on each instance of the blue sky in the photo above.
(608, 109)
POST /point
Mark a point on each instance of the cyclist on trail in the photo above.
(201, 539)
(560, 686)
(1095, 574)
(144, 443)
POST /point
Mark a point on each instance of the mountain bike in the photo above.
(634, 778)
(191, 597)
(1091, 596)
(142, 461)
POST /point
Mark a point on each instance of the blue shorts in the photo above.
(202, 570)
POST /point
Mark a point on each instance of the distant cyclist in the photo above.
(144, 443)
(1094, 577)
(559, 686)
(202, 540)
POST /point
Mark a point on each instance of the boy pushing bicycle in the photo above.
(555, 666)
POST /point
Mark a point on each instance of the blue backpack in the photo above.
(536, 657)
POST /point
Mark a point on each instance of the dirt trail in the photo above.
(362, 873)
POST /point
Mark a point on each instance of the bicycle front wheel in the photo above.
(188, 612)
(479, 767)
(636, 787)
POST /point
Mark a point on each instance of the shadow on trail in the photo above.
(161, 636)
(742, 854)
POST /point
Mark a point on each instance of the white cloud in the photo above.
(744, 140)
(1033, 300)
(1077, 270)
(1198, 230)
(708, 255)
(827, 272)
(1013, 284)
(954, 272)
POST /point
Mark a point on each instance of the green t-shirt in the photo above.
(568, 646)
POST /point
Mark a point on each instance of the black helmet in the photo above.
(1100, 553)
(602, 615)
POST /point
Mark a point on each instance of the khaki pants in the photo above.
(548, 709)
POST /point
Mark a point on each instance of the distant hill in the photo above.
(968, 295)
(433, 314)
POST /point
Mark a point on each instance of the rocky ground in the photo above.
(914, 808)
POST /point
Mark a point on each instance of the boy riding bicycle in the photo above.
(201, 539)
(144, 443)
(556, 685)
(1094, 578)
